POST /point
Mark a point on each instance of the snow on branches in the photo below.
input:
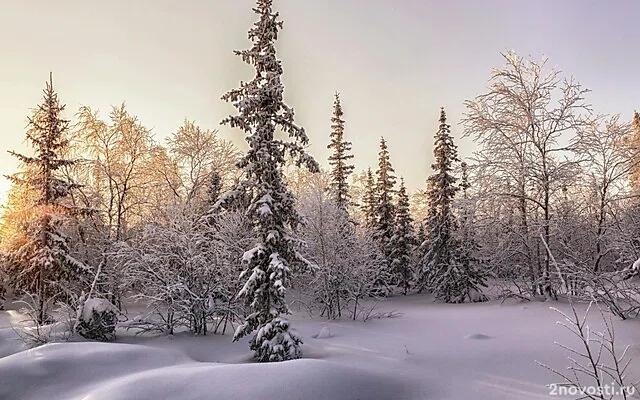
(270, 204)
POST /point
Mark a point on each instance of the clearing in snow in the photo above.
(427, 351)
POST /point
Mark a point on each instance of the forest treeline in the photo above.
(209, 236)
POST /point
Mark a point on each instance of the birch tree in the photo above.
(526, 126)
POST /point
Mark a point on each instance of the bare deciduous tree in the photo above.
(198, 153)
(526, 125)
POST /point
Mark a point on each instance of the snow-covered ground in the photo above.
(425, 351)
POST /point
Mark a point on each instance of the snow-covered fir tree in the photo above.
(384, 212)
(402, 242)
(338, 160)
(271, 209)
(41, 264)
(440, 248)
(385, 182)
(369, 201)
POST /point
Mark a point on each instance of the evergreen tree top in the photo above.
(403, 207)
(443, 119)
(260, 103)
(338, 123)
(46, 129)
(386, 179)
(340, 155)
(441, 185)
(402, 192)
(445, 151)
(47, 135)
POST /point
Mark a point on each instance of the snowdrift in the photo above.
(108, 371)
(484, 351)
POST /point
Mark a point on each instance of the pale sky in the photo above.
(394, 61)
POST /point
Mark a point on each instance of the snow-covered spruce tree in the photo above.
(385, 183)
(340, 170)
(439, 247)
(440, 268)
(369, 201)
(41, 265)
(402, 242)
(384, 214)
(272, 205)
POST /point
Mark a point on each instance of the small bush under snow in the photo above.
(97, 319)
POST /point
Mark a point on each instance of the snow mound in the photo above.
(122, 371)
(477, 336)
(291, 380)
(97, 305)
(324, 333)
(68, 370)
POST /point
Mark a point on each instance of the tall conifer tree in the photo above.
(384, 210)
(384, 217)
(271, 208)
(402, 242)
(446, 268)
(439, 246)
(42, 265)
(339, 158)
